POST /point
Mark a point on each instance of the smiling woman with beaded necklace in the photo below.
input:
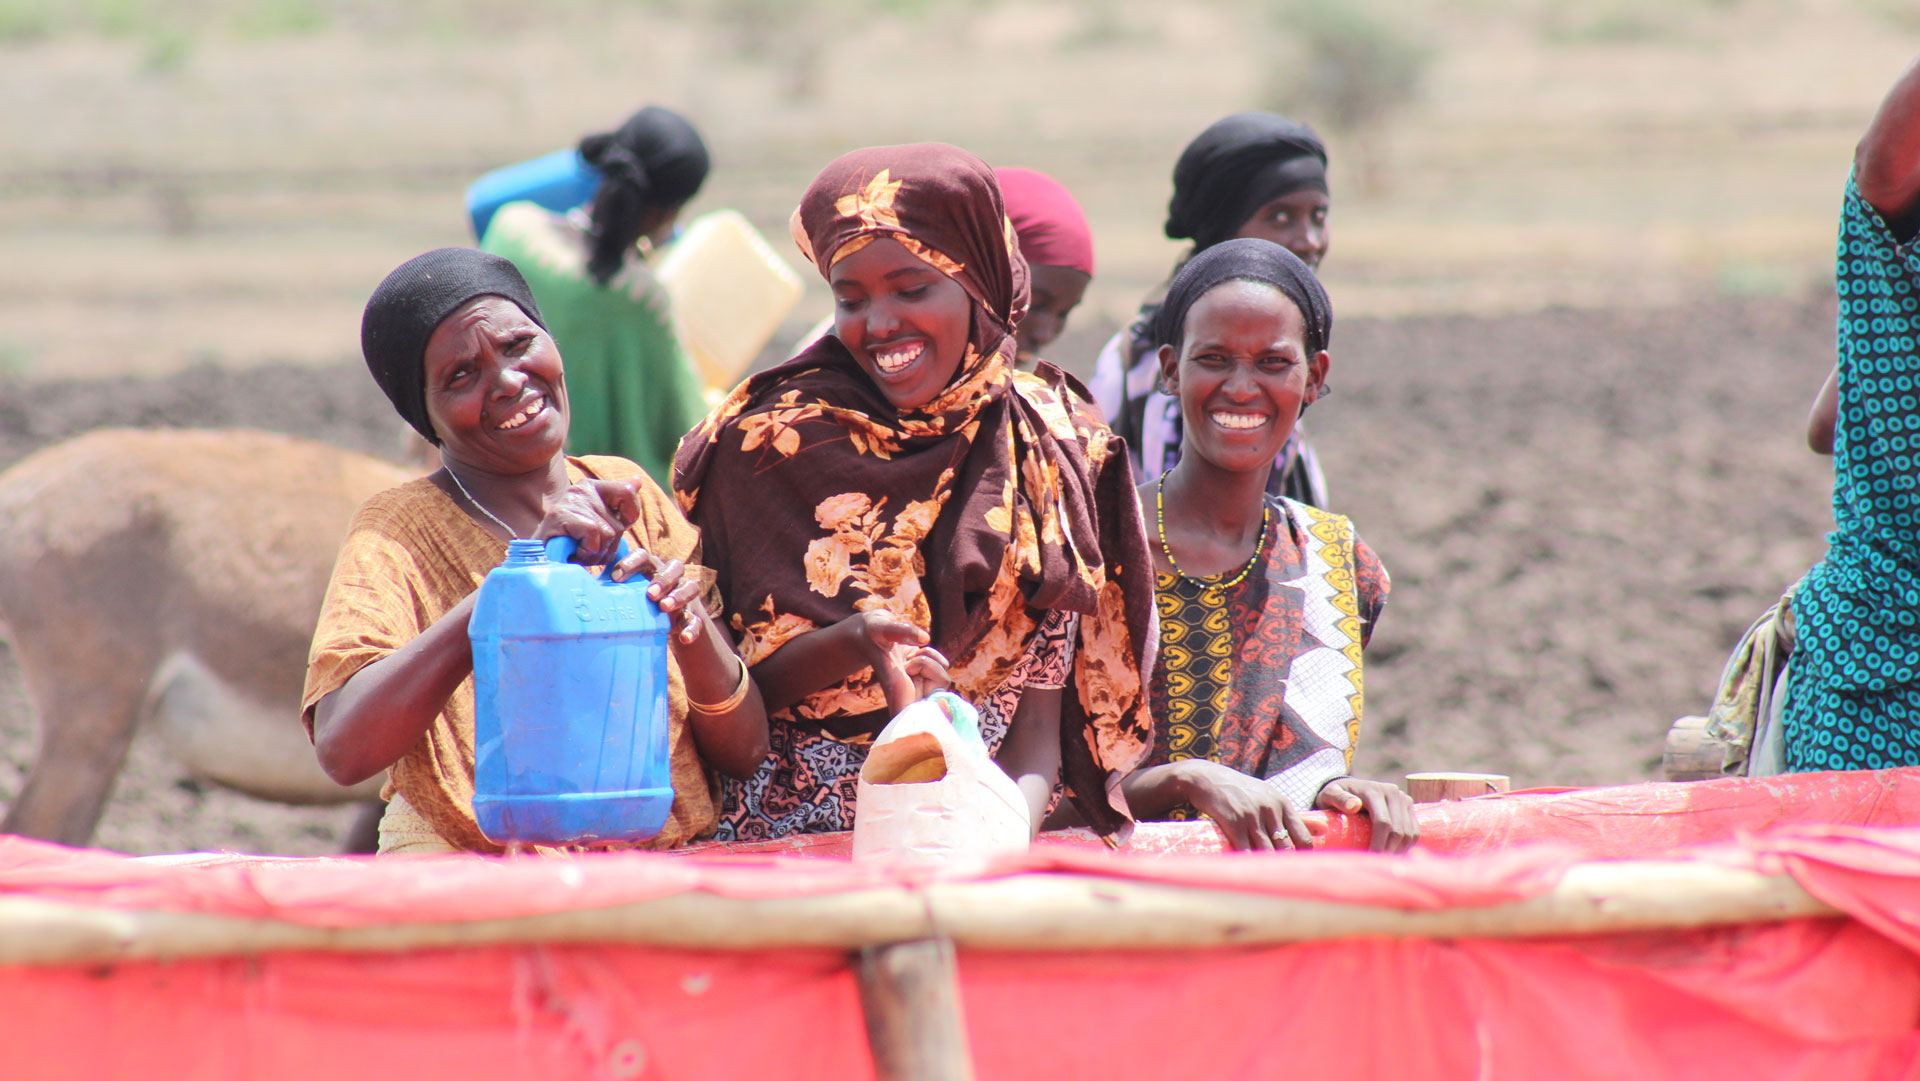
(1265, 603)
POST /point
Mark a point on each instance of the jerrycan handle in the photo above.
(560, 549)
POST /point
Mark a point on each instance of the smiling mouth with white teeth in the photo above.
(1240, 421)
(531, 411)
(896, 360)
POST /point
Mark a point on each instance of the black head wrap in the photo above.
(1244, 260)
(1235, 167)
(405, 308)
(656, 158)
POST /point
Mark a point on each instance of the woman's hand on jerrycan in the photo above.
(676, 594)
(912, 673)
(595, 513)
(907, 667)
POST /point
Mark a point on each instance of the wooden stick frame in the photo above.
(910, 997)
(1034, 912)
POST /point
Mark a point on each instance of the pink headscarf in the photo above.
(1052, 228)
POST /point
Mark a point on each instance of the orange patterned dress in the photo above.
(999, 516)
(410, 556)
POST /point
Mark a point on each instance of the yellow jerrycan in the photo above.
(730, 291)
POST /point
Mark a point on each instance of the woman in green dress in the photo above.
(634, 391)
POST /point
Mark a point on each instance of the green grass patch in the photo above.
(281, 18)
(160, 21)
(24, 21)
(1751, 280)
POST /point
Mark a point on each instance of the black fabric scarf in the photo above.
(1248, 261)
(1236, 166)
(656, 150)
(411, 302)
(654, 160)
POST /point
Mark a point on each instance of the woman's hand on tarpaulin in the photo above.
(1252, 814)
(1395, 829)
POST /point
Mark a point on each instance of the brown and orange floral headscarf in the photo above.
(1001, 499)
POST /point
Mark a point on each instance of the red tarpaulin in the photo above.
(1804, 997)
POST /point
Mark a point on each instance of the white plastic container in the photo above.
(730, 292)
(928, 793)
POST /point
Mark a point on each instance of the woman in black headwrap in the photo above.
(635, 392)
(1249, 175)
(1265, 603)
(456, 341)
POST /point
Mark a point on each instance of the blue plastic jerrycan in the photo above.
(558, 181)
(570, 702)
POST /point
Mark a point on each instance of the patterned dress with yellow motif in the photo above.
(1264, 676)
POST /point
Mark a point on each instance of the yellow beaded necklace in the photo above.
(1160, 522)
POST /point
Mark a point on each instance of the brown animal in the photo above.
(171, 578)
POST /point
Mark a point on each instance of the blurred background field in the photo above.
(1581, 259)
(218, 180)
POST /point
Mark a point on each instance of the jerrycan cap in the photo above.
(522, 550)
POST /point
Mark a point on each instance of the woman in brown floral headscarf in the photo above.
(899, 493)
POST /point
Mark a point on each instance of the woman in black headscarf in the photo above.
(1265, 603)
(456, 341)
(634, 391)
(1251, 174)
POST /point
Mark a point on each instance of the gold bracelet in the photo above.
(739, 695)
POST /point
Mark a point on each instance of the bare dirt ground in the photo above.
(1579, 322)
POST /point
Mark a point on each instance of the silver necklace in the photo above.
(511, 532)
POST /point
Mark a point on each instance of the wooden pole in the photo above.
(1690, 753)
(1048, 912)
(1440, 787)
(910, 994)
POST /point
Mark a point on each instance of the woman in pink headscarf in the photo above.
(1058, 245)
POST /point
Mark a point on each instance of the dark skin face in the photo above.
(496, 390)
(1297, 221)
(905, 323)
(496, 395)
(1242, 374)
(1057, 290)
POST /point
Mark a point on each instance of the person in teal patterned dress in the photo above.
(1853, 699)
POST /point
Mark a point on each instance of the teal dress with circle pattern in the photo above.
(1853, 700)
